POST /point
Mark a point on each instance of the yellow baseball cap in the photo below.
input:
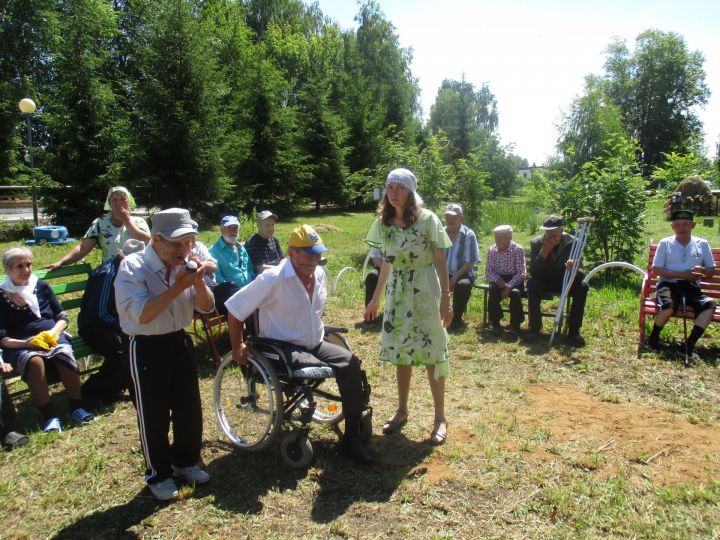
(307, 239)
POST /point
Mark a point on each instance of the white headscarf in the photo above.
(407, 179)
(27, 292)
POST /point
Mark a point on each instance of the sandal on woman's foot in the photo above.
(438, 435)
(395, 423)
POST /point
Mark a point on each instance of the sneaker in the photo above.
(193, 474)
(52, 425)
(81, 416)
(164, 490)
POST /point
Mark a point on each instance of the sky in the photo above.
(534, 55)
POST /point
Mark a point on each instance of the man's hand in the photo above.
(569, 264)
(549, 242)
(505, 292)
(453, 281)
(186, 278)
(240, 354)
(700, 271)
(51, 266)
(500, 283)
(5, 368)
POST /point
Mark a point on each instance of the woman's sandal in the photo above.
(13, 439)
(395, 423)
(438, 437)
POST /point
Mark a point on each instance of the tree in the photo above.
(657, 87)
(677, 167)
(87, 130)
(589, 129)
(463, 114)
(610, 189)
(497, 163)
(177, 113)
(471, 189)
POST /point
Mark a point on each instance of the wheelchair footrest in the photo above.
(313, 372)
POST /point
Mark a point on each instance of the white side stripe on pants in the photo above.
(139, 408)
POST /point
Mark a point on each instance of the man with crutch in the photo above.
(680, 262)
(549, 258)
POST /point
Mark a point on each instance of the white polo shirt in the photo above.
(286, 312)
(141, 276)
(673, 256)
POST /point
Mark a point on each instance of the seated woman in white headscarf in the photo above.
(109, 232)
(32, 337)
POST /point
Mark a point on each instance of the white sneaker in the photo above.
(164, 490)
(193, 474)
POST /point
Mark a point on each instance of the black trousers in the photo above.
(495, 312)
(345, 365)
(166, 389)
(114, 375)
(461, 297)
(536, 289)
(222, 293)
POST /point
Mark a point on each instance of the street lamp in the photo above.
(27, 107)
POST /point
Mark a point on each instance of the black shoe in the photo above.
(514, 330)
(355, 450)
(654, 344)
(532, 336)
(693, 356)
(576, 340)
(13, 439)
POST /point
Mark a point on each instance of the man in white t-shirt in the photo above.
(680, 262)
(290, 298)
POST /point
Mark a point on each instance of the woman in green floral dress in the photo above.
(417, 302)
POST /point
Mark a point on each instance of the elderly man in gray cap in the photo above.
(157, 291)
(263, 247)
(505, 272)
(461, 259)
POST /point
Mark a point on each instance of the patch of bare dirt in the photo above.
(661, 446)
(325, 227)
(436, 468)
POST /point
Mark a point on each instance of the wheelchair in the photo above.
(268, 398)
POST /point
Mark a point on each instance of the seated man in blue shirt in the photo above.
(234, 269)
(680, 262)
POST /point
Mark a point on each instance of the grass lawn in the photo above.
(543, 442)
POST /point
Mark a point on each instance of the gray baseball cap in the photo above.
(173, 224)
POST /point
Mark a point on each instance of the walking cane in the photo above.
(687, 356)
(576, 251)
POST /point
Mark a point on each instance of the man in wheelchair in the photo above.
(290, 298)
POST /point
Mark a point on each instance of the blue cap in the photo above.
(229, 220)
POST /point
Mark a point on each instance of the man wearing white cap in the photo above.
(157, 290)
(263, 247)
(461, 259)
(505, 272)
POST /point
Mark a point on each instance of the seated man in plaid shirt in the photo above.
(505, 272)
(461, 260)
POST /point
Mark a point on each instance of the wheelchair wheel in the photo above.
(296, 450)
(248, 402)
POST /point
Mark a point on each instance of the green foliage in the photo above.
(12, 232)
(657, 87)
(677, 167)
(464, 114)
(471, 189)
(609, 189)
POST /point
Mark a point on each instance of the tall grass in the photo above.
(521, 216)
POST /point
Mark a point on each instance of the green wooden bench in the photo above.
(68, 283)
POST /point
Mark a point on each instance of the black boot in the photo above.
(352, 445)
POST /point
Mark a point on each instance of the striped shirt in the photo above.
(504, 263)
(464, 249)
(263, 250)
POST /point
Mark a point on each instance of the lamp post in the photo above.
(27, 107)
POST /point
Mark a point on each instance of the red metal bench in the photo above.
(710, 286)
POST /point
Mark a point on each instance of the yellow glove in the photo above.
(45, 340)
